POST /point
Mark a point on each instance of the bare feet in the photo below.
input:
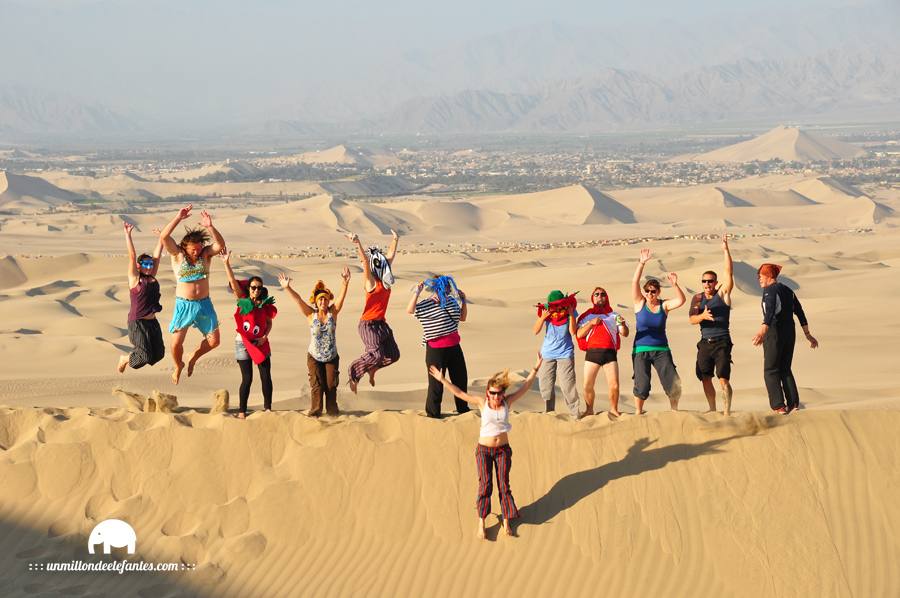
(123, 363)
(479, 533)
(353, 384)
(507, 527)
(586, 412)
(176, 375)
(612, 416)
(191, 365)
(641, 412)
(615, 412)
(241, 415)
(372, 378)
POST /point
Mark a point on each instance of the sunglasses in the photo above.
(496, 393)
(651, 291)
(599, 294)
(710, 281)
(255, 287)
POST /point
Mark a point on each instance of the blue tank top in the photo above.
(651, 330)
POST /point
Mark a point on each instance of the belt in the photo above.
(716, 340)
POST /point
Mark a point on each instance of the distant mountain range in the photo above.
(35, 112)
(833, 64)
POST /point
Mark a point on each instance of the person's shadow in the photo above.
(568, 491)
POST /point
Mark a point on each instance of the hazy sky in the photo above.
(207, 57)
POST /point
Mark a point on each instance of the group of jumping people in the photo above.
(598, 331)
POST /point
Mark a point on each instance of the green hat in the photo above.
(555, 296)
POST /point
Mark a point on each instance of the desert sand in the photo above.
(379, 500)
(790, 144)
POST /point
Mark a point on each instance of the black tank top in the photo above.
(720, 310)
(144, 298)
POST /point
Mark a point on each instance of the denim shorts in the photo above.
(240, 351)
(197, 313)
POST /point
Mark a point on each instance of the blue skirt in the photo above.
(199, 313)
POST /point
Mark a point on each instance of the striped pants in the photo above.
(381, 349)
(146, 336)
(486, 459)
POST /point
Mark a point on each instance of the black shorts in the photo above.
(714, 358)
(600, 356)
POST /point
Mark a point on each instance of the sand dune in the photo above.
(19, 193)
(403, 487)
(789, 144)
(576, 204)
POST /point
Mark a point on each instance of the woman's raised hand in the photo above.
(345, 274)
(128, 227)
(205, 219)
(185, 212)
(284, 280)
(394, 234)
(352, 237)
(226, 257)
(645, 255)
(673, 278)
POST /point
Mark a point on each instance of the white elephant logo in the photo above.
(112, 533)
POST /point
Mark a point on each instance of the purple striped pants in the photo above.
(486, 459)
(381, 349)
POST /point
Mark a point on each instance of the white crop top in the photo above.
(494, 422)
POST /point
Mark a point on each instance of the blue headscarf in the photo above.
(444, 287)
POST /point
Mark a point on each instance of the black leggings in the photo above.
(451, 360)
(265, 375)
(778, 355)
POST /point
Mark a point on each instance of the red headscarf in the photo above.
(559, 309)
(595, 309)
(769, 270)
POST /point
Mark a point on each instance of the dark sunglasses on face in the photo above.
(710, 281)
(495, 393)
(599, 294)
(255, 287)
(651, 291)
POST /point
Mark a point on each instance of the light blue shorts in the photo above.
(200, 314)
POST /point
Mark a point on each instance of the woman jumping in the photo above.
(190, 261)
(143, 327)
(381, 349)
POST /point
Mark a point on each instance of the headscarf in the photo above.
(380, 266)
(445, 289)
(769, 270)
(595, 309)
(318, 290)
(559, 305)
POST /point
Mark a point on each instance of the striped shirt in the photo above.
(437, 321)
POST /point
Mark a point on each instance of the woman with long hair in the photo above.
(253, 315)
(493, 451)
(191, 259)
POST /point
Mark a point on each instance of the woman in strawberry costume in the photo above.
(253, 316)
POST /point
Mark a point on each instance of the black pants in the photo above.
(265, 375)
(452, 360)
(778, 353)
(146, 336)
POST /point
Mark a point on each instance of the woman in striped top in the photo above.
(440, 315)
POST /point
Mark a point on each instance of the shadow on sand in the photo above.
(574, 487)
